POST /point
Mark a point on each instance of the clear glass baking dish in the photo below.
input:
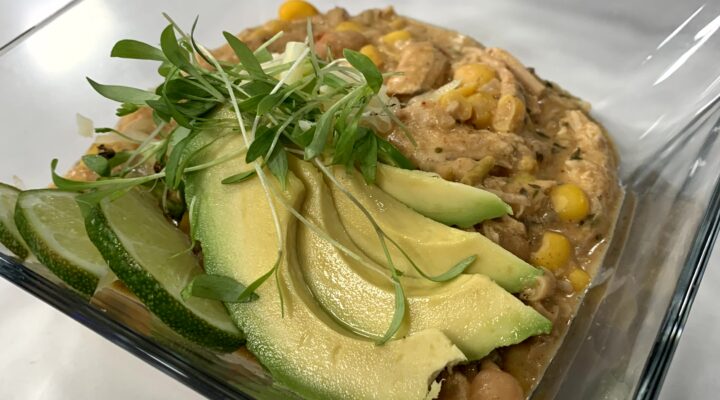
(648, 68)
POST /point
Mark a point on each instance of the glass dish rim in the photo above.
(90, 316)
(648, 385)
(670, 330)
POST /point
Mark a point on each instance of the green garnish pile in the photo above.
(290, 103)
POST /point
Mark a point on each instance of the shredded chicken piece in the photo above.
(544, 287)
(336, 42)
(423, 67)
(508, 83)
(335, 16)
(592, 167)
(528, 79)
(441, 142)
(455, 387)
(509, 233)
(492, 383)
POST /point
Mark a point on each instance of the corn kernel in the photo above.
(456, 105)
(509, 115)
(296, 9)
(348, 26)
(395, 36)
(466, 90)
(579, 279)
(483, 106)
(570, 203)
(373, 54)
(474, 75)
(554, 251)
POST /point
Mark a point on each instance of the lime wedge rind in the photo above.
(160, 300)
(82, 270)
(13, 243)
(9, 235)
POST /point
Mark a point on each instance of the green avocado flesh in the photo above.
(362, 298)
(433, 246)
(153, 259)
(52, 225)
(305, 350)
(9, 235)
(448, 202)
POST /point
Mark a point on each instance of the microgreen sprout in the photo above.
(283, 105)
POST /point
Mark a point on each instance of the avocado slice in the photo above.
(433, 246)
(360, 296)
(448, 202)
(304, 350)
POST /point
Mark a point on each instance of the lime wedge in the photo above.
(51, 223)
(9, 235)
(153, 258)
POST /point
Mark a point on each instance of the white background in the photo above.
(46, 355)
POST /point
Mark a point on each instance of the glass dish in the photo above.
(648, 68)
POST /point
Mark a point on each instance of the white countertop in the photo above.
(49, 356)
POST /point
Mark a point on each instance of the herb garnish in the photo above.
(290, 103)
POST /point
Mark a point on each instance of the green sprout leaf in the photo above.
(172, 50)
(194, 44)
(263, 55)
(237, 178)
(126, 109)
(245, 55)
(217, 287)
(103, 164)
(398, 314)
(123, 94)
(182, 154)
(134, 49)
(260, 146)
(367, 68)
(389, 154)
(251, 288)
(97, 164)
(185, 88)
(180, 57)
(78, 186)
(322, 132)
(269, 102)
(278, 165)
(118, 159)
(345, 144)
(367, 157)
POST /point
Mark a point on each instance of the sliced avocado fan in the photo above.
(433, 246)
(302, 347)
(362, 298)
